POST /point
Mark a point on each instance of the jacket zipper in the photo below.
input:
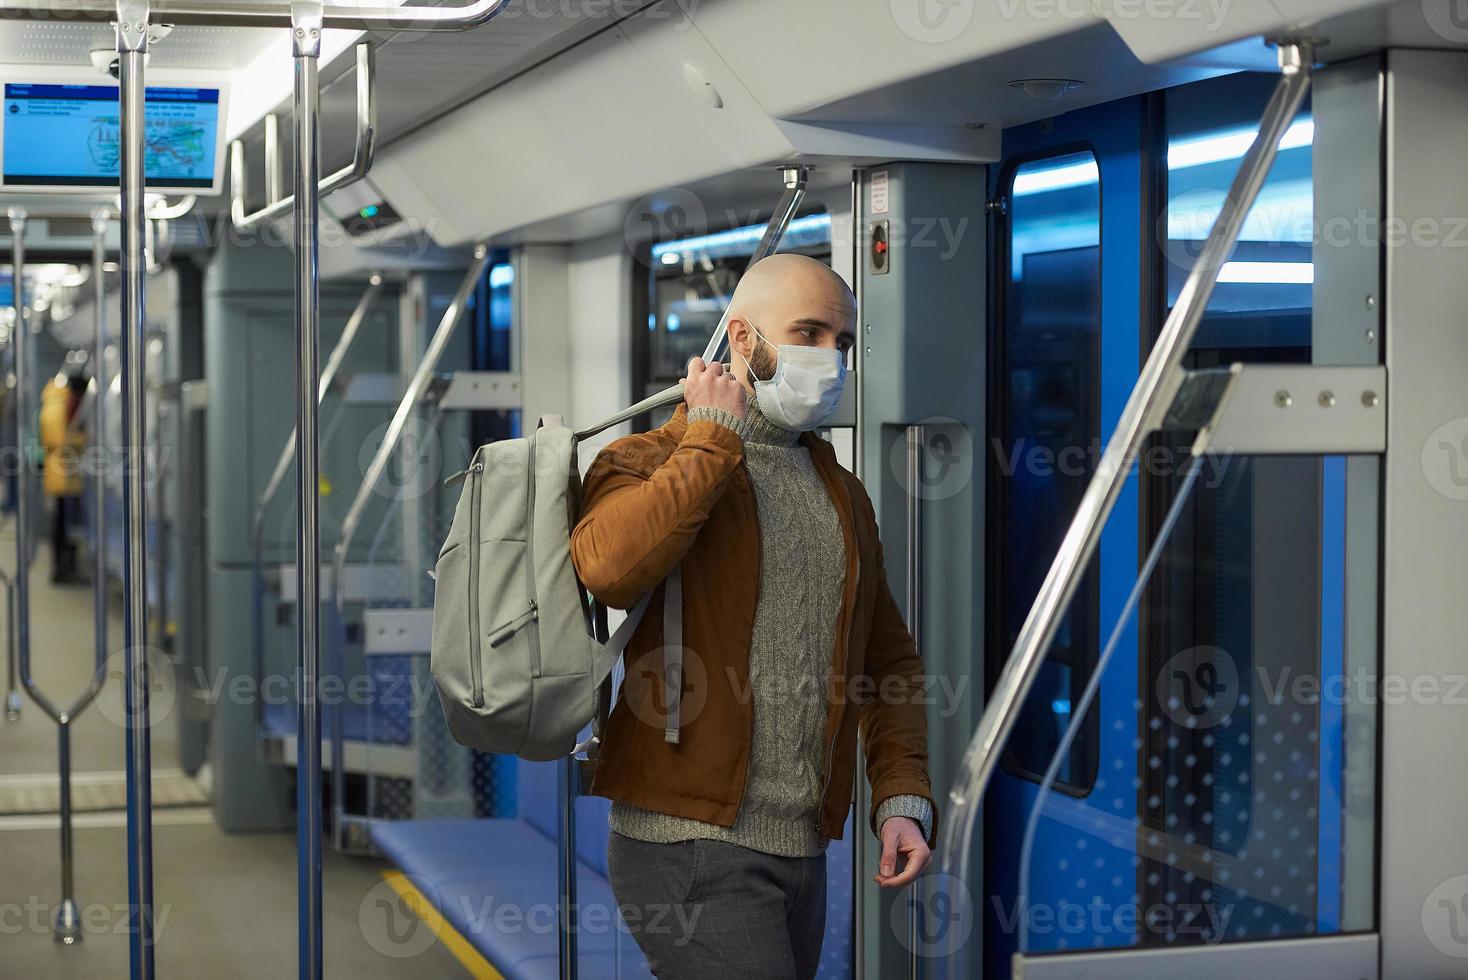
(529, 616)
(475, 669)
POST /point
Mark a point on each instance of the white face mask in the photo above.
(805, 387)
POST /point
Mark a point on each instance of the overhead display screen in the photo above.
(63, 136)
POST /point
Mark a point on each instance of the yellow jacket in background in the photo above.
(63, 472)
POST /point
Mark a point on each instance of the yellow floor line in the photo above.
(472, 960)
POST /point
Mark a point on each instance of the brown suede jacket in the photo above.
(682, 493)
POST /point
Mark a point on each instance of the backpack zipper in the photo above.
(509, 629)
(476, 672)
(530, 616)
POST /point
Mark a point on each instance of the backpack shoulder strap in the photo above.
(610, 651)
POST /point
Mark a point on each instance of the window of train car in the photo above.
(685, 283)
(491, 350)
(1048, 354)
(1261, 308)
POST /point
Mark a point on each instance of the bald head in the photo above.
(791, 299)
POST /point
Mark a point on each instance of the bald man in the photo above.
(792, 645)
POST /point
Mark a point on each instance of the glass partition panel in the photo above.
(1228, 816)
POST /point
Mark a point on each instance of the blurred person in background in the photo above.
(60, 400)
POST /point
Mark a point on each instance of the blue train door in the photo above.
(1212, 792)
(1064, 347)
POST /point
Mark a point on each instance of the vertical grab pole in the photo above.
(1157, 386)
(17, 231)
(569, 786)
(99, 436)
(12, 699)
(858, 862)
(306, 49)
(132, 46)
(916, 438)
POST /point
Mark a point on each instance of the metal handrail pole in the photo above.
(12, 696)
(916, 440)
(362, 150)
(328, 378)
(132, 45)
(417, 386)
(66, 923)
(282, 467)
(1160, 378)
(785, 208)
(203, 14)
(306, 50)
(99, 484)
(273, 178)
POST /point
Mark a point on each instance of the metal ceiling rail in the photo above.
(362, 149)
(1161, 378)
(378, 17)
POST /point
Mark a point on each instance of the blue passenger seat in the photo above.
(495, 882)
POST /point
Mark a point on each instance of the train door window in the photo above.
(1048, 414)
(688, 284)
(1261, 308)
(491, 348)
(1247, 589)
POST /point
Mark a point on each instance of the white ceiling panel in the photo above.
(71, 43)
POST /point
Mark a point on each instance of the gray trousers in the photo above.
(709, 910)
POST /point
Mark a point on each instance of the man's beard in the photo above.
(760, 366)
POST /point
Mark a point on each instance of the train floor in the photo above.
(225, 904)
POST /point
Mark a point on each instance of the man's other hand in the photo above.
(901, 836)
(710, 385)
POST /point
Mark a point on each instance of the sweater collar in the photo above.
(764, 432)
(676, 426)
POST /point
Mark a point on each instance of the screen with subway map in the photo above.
(69, 136)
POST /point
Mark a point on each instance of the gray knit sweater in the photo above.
(802, 569)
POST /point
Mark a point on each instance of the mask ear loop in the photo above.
(747, 365)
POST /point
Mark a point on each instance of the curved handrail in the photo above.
(1157, 385)
(278, 475)
(362, 150)
(416, 388)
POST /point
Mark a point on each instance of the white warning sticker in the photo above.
(879, 192)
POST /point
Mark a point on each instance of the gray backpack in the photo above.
(520, 652)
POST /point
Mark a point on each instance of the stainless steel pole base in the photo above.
(66, 926)
(12, 706)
